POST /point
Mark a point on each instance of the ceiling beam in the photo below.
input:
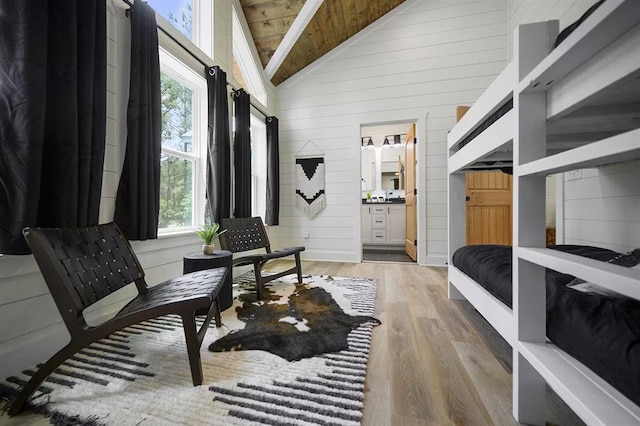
(291, 37)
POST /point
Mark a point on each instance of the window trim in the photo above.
(259, 158)
(181, 72)
(246, 60)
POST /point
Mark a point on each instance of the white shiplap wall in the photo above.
(31, 328)
(417, 63)
(527, 11)
(602, 205)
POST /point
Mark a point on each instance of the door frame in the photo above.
(421, 156)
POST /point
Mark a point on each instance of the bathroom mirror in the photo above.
(392, 167)
(368, 169)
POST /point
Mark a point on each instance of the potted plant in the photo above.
(208, 233)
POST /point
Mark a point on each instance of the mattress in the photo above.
(602, 332)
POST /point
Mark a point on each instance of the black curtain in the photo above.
(273, 173)
(218, 145)
(52, 115)
(138, 199)
(242, 154)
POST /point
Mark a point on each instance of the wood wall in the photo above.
(417, 63)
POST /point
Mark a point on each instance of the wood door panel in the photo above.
(489, 196)
(489, 225)
(411, 228)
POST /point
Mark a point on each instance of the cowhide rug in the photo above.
(141, 375)
(292, 322)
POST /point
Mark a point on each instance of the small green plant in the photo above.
(208, 233)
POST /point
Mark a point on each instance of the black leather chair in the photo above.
(244, 234)
(83, 265)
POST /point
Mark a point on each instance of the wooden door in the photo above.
(489, 196)
(411, 231)
(489, 208)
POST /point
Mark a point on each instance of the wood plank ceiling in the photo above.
(334, 22)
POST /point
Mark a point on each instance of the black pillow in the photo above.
(605, 255)
(565, 33)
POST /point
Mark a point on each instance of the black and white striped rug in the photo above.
(141, 375)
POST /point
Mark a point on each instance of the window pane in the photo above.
(179, 13)
(177, 114)
(176, 192)
(258, 167)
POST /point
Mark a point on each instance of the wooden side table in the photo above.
(197, 261)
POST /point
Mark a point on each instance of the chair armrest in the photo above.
(263, 257)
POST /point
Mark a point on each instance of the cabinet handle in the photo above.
(388, 210)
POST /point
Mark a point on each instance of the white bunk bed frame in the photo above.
(575, 106)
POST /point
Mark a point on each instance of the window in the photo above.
(258, 167)
(178, 13)
(184, 110)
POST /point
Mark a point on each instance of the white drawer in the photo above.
(379, 221)
(379, 236)
(379, 210)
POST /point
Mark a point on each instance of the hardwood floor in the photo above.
(433, 361)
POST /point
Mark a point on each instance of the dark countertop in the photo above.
(393, 201)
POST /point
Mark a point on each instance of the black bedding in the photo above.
(601, 332)
(504, 108)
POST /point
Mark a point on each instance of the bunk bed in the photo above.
(554, 109)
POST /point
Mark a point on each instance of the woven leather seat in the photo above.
(81, 266)
(244, 234)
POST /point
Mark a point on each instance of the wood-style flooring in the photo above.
(392, 256)
(433, 361)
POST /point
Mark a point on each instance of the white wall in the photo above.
(415, 64)
(602, 205)
(527, 11)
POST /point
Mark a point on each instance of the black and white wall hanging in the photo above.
(310, 196)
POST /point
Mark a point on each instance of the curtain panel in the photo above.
(273, 173)
(52, 115)
(138, 199)
(218, 145)
(242, 154)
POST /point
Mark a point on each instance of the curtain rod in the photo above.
(194, 56)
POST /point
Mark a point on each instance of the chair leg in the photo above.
(259, 286)
(217, 313)
(17, 404)
(193, 347)
(299, 268)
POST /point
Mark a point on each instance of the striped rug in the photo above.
(141, 375)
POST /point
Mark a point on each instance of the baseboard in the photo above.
(331, 256)
(436, 260)
(30, 349)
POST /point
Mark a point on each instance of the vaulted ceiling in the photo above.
(334, 21)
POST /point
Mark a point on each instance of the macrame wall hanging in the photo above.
(310, 196)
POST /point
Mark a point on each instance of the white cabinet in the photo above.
(383, 224)
(366, 224)
(395, 224)
(378, 224)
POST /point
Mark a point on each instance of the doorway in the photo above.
(387, 211)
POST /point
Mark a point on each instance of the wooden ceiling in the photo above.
(334, 22)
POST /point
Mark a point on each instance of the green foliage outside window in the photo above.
(176, 174)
